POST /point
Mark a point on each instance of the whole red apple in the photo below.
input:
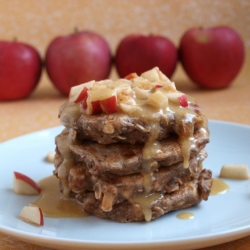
(139, 53)
(20, 70)
(77, 58)
(212, 57)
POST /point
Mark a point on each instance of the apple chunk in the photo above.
(22, 184)
(183, 100)
(109, 105)
(178, 98)
(32, 214)
(131, 76)
(76, 94)
(101, 100)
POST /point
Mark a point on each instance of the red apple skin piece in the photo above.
(138, 53)
(20, 70)
(96, 107)
(183, 101)
(77, 58)
(82, 96)
(212, 57)
(109, 105)
(20, 183)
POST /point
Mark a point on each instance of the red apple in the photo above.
(32, 214)
(22, 184)
(20, 70)
(139, 53)
(212, 57)
(77, 58)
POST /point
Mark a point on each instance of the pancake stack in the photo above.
(132, 149)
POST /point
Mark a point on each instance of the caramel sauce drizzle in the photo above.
(53, 204)
(184, 127)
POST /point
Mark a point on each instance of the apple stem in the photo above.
(76, 30)
(14, 39)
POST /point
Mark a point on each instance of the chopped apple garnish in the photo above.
(95, 107)
(234, 171)
(141, 93)
(183, 100)
(131, 76)
(178, 98)
(142, 84)
(32, 214)
(121, 85)
(109, 105)
(163, 78)
(101, 100)
(83, 95)
(158, 86)
(130, 109)
(158, 100)
(76, 90)
(22, 184)
(152, 75)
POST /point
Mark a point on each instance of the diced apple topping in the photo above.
(130, 109)
(107, 96)
(131, 76)
(82, 96)
(142, 83)
(152, 75)
(101, 101)
(126, 96)
(109, 105)
(121, 85)
(141, 93)
(32, 214)
(22, 184)
(183, 100)
(158, 100)
(178, 98)
(75, 91)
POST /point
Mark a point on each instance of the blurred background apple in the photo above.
(139, 53)
(212, 57)
(20, 70)
(77, 58)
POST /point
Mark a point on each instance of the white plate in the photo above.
(221, 219)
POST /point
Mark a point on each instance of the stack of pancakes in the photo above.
(131, 168)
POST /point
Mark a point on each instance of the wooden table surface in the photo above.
(40, 110)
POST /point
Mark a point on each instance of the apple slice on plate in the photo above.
(22, 184)
(32, 214)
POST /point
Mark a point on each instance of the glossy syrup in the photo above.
(219, 187)
(53, 204)
(185, 216)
